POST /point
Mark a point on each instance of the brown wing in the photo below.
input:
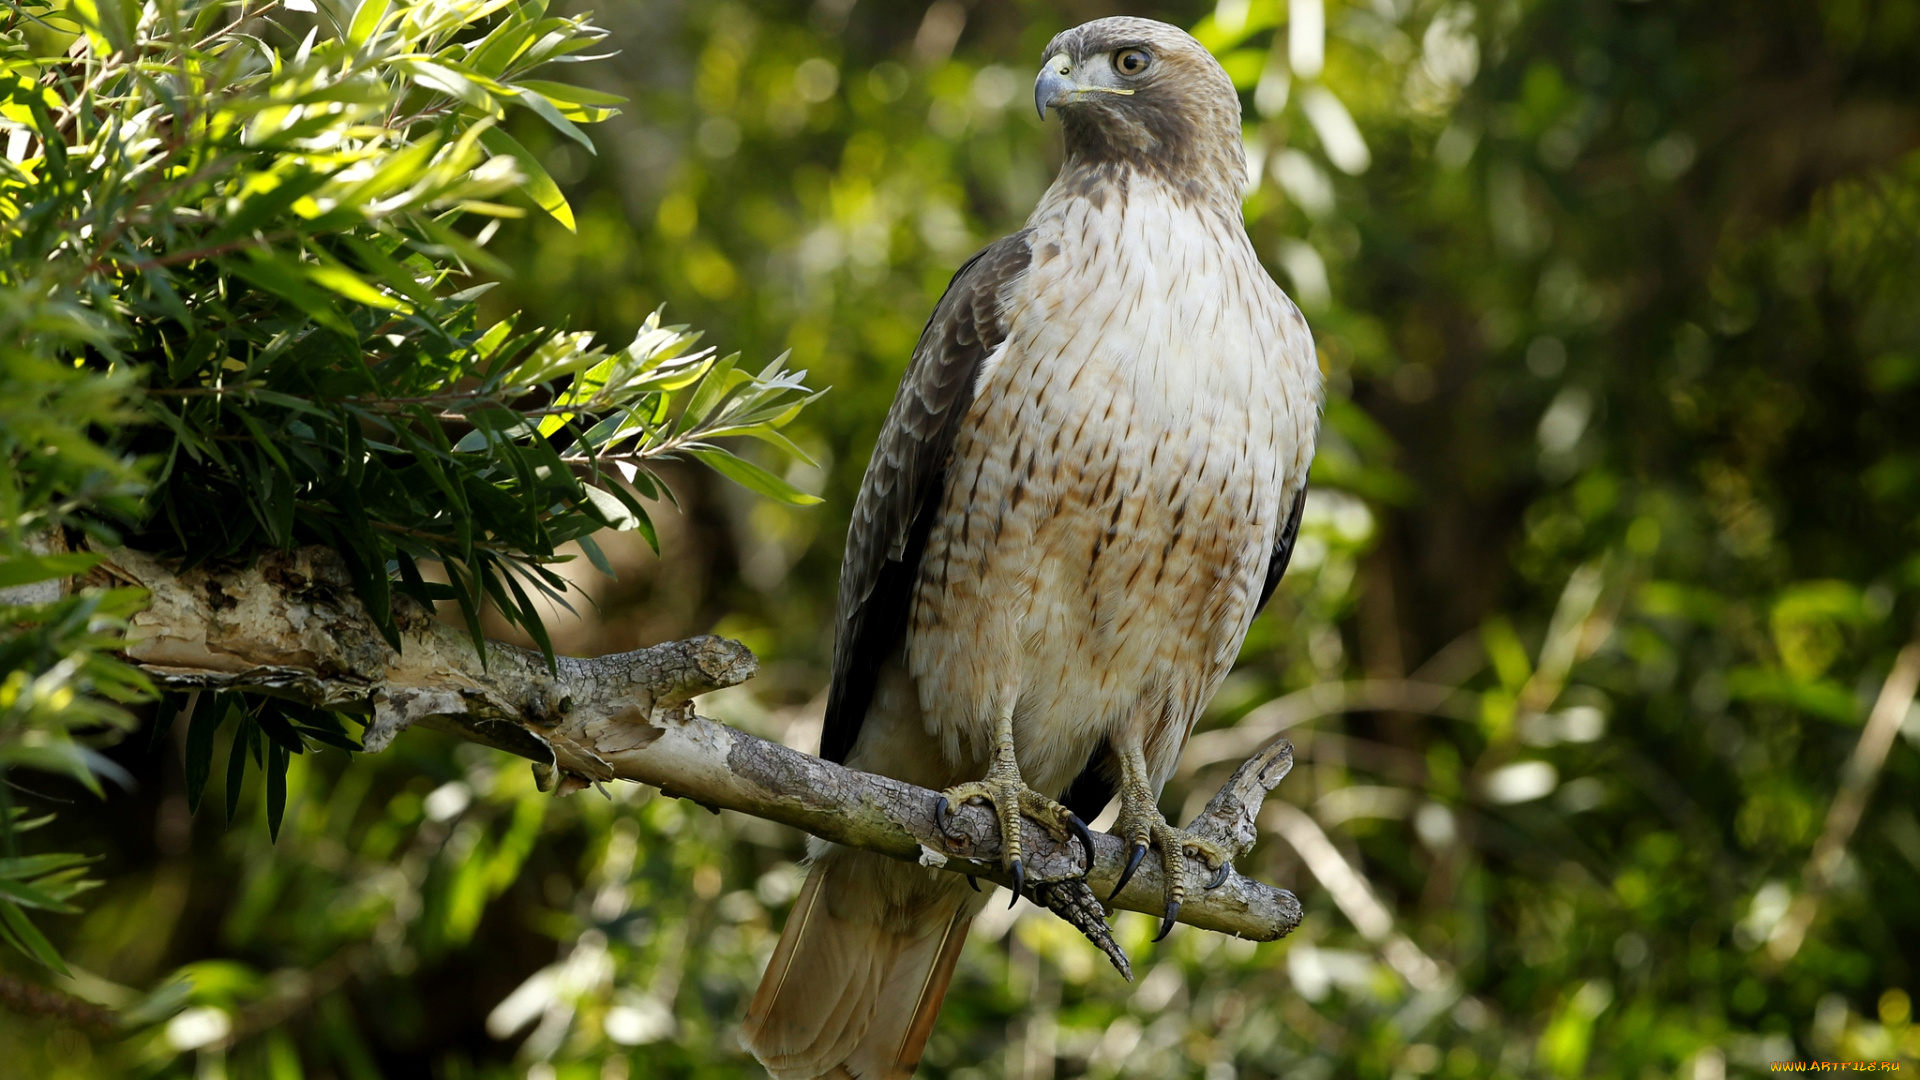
(906, 479)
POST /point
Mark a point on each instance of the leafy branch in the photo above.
(242, 259)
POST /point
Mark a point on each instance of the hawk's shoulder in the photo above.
(907, 476)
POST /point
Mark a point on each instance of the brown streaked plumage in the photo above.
(1085, 490)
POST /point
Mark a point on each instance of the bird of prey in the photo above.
(1087, 486)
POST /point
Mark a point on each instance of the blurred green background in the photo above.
(1611, 548)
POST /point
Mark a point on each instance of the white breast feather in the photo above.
(1117, 488)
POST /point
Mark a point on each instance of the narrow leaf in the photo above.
(30, 940)
(27, 569)
(539, 186)
(366, 21)
(206, 721)
(236, 769)
(277, 762)
(569, 93)
(545, 110)
(597, 557)
(753, 477)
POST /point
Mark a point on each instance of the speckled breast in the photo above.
(1115, 491)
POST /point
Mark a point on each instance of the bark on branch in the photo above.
(291, 625)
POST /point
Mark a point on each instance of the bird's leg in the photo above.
(1141, 824)
(1007, 792)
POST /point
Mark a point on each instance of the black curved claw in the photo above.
(1086, 839)
(942, 814)
(972, 884)
(1166, 927)
(1133, 863)
(1019, 880)
(1219, 877)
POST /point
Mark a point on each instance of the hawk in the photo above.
(1087, 486)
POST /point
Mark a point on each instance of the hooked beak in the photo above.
(1054, 86)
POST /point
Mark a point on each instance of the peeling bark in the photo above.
(291, 625)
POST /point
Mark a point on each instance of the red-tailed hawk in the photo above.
(1087, 487)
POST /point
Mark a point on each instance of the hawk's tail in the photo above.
(858, 977)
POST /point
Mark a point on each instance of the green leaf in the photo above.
(21, 867)
(164, 715)
(114, 20)
(366, 21)
(29, 940)
(277, 763)
(569, 93)
(539, 186)
(282, 277)
(530, 620)
(594, 555)
(27, 569)
(630, 499)
(25, 895)
(448, 243)
(262, 439)
(341, 280)
(265, 198)
(713, 387)
(753, 477)
(59, 756)
(200, 730)
(764, 433)
(274, 724)
(500, 47)
(236, 768)
(439, 77)
(545, 110)
(400, 169)
(381, 264)
(466, 595)
(618, 517)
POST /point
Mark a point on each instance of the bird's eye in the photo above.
(1131, 61)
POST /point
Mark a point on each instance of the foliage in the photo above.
(272, 235)
(59, 684)
(238, 315)
(1613, 301)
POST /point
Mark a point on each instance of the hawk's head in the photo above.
(1139, 93)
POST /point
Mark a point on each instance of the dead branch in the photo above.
(291, 625)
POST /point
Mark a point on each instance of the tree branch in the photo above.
(291, 625)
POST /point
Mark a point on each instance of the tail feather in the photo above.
(860, 973)
(933, 990)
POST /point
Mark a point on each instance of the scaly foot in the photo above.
(1011, 798)
(1142, 825)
